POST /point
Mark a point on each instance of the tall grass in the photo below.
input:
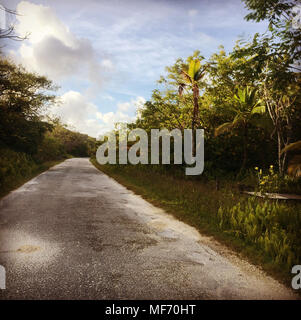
(17, 167)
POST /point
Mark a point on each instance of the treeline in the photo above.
(247, 100)
(28, 139)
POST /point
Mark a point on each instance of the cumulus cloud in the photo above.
(133, 105)
(126, 111)
(83, 116)
(77, 113)
(51, 48)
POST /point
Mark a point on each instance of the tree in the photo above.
(225, 73)
(177, 104)
(244, 110)
(191, 78)
(164, 110)
(283, 24)
(23, 97)
(276, 58)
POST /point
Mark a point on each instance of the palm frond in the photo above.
(258, 110)
(194, 67)
(295, 146)
(240, 95)
(225, 127)
(294, 166)
(251, 95)
(186, 76)
(199, 74)
(238, 119)
(191, 69)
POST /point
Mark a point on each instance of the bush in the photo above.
(13, 166)
(272, 226)
(274, 182)
(50, 149)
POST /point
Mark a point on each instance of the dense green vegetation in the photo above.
(18, 167)
(248, 101)
(29, 141)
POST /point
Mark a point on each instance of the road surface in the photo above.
(74, 233)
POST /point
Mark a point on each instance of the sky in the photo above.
(107, 55)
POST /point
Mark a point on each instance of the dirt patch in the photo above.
(28, 249)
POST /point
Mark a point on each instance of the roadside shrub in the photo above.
(272, 181)
(13, 166)
(50, 149)
(272, 226)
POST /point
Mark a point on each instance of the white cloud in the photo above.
(83, 116)
(79, 114)
(107, 63)
(125, 106)
(126, 111)
(112, 118)
(133, 105)
(51, 48)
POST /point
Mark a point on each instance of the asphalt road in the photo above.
(74, 233)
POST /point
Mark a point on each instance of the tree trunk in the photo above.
(282, 124)
(280, 167)
(195, 115)
(245, 151)
(195, 106)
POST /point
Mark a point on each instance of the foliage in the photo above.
(14, 165)
(275, 56)
(272, 181)
(244, 110)
(219, 104)
(296, 146)
(294, 165)
(272, 227)
(18, 167)
(281, 15)
(190, 78)
(71, 142)
(23, 96)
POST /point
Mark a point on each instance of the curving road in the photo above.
(74, 233)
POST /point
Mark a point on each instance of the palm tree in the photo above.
(191, 79)
(244, 110)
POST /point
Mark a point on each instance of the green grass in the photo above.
(17, 181)
(224, 214)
